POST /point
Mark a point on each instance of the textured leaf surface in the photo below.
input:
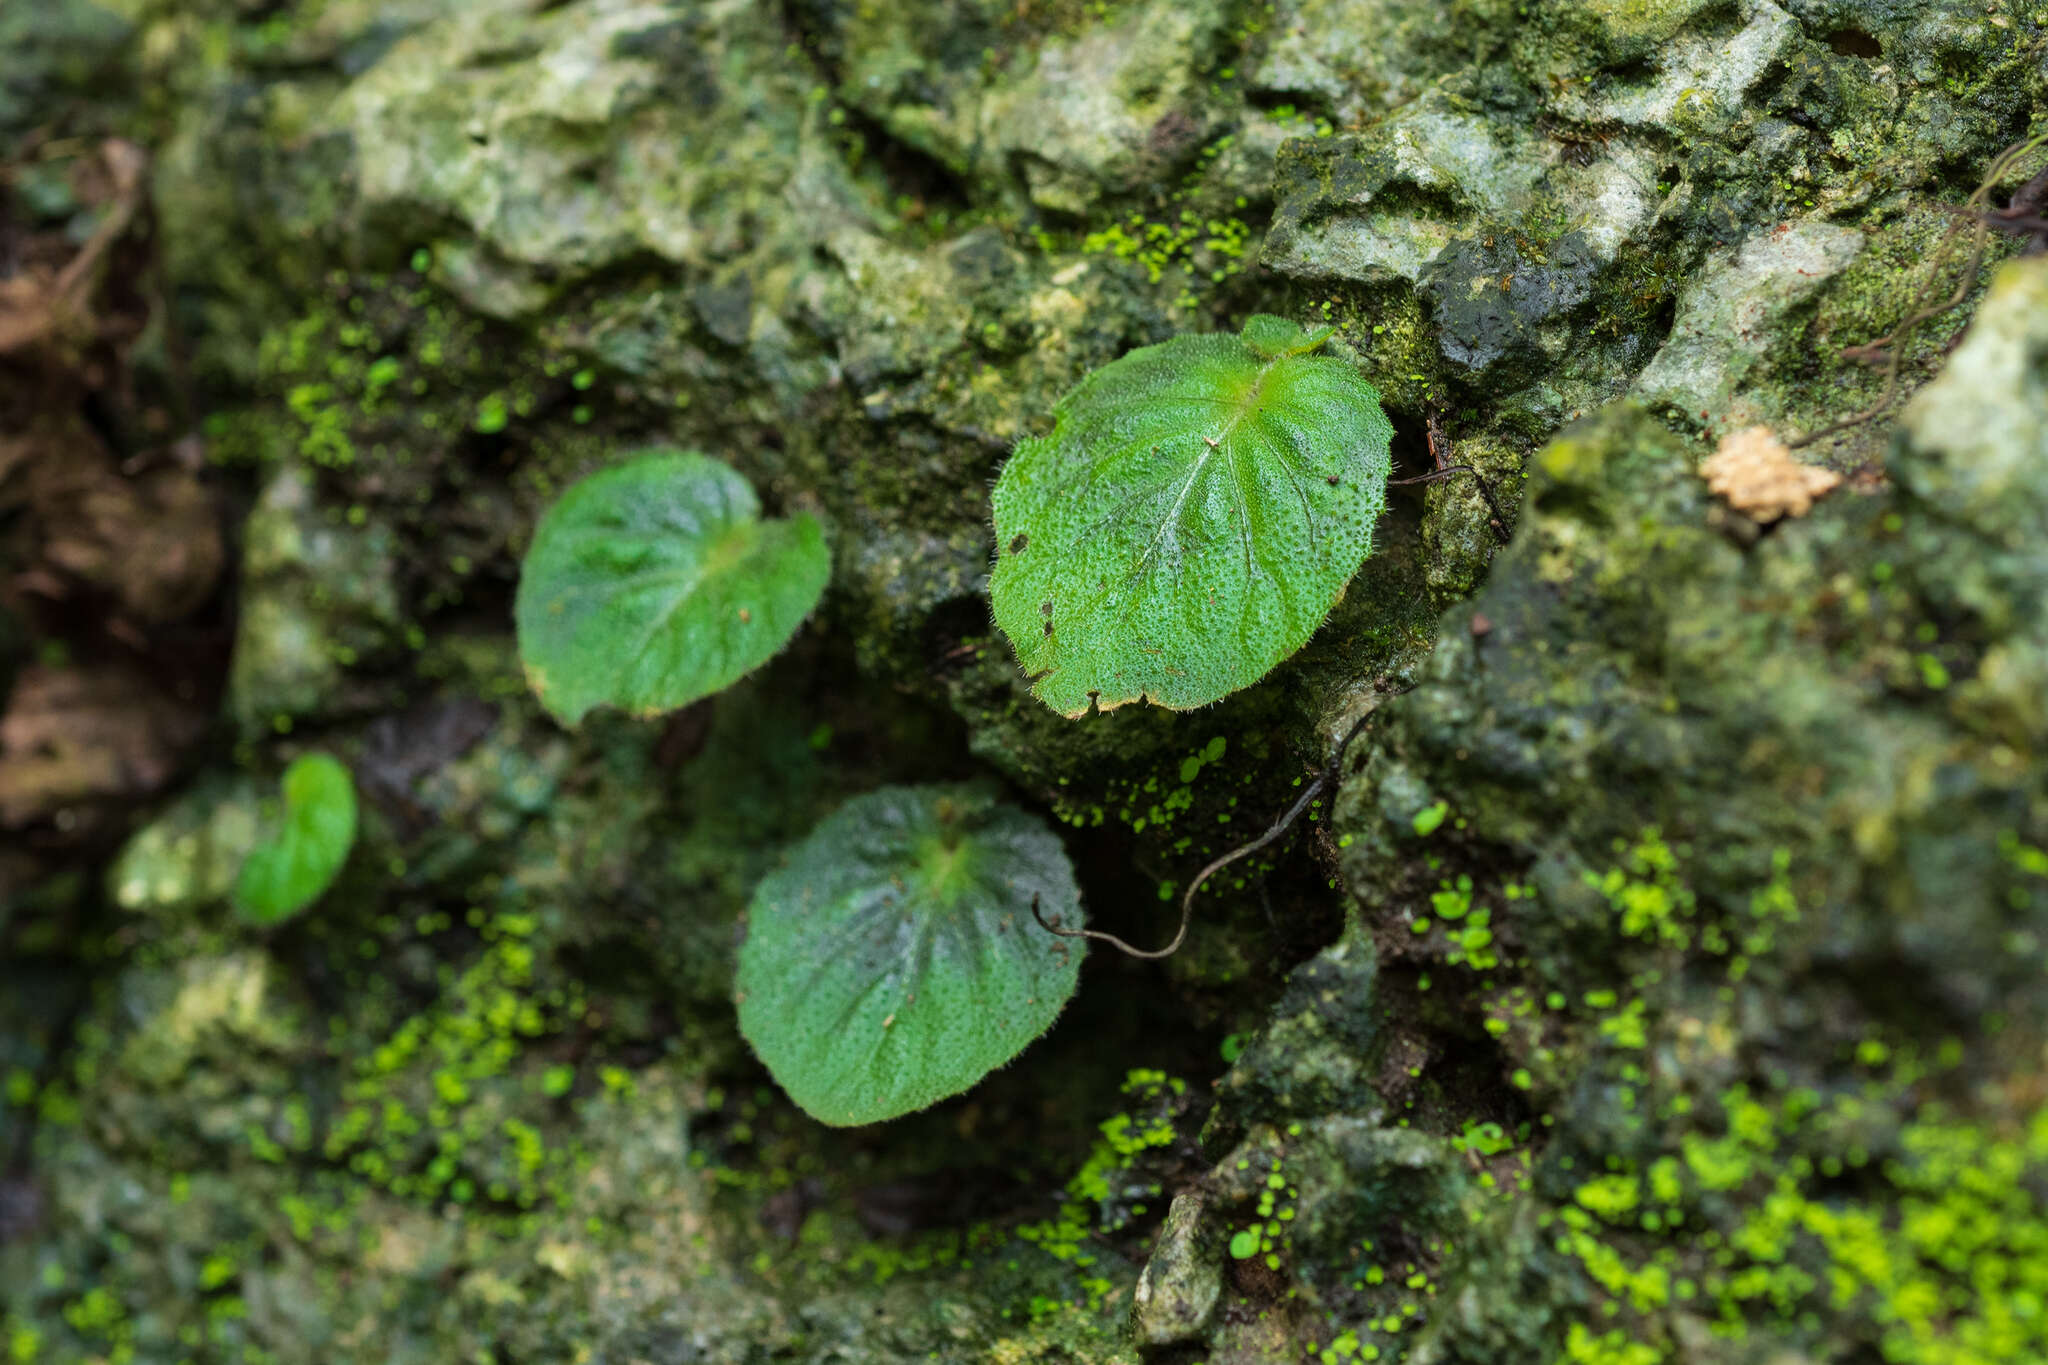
(1192, 518)
(894, 960)
(655, 583)
(287, 871)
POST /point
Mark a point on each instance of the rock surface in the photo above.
(1664, 984)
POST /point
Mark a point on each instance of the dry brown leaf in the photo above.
(1757, 475)
(152, 541)
(36, 303)
(76, 734)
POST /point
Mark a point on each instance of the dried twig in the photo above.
(1442, 469)
(1981, 219)
(1326, 780)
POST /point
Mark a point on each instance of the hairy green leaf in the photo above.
(1197, 510)
(894, 959)
(655, 583)
(288, 870)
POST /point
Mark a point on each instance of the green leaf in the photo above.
(1429, 817)
(894, 959)
(1197, 510)
(288, 870)
(655, 583)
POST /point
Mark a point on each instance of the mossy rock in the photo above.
(433, 266)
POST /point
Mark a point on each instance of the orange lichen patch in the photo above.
(1755, 473)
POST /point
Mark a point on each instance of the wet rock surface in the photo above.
(1664, 983)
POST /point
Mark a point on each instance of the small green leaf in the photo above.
(1197, 510)
(287, 871)
(655, 583)
(1244, 1243)
(894, 959)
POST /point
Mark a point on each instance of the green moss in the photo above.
(1947, 1207)
(1720, 831)
(1823, 373)
(1111, 1190)
(1202, 236)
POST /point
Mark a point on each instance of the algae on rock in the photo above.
(1680, 894)
(1763, 949)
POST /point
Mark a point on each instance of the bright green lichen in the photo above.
(423, 1114)
(1650, 902)
(1100, 1197)
(1938, 1253)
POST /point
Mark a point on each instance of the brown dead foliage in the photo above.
(74, 735)
(150, 542)
(110, 537)
(50, 299)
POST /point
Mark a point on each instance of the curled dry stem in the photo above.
(1439, 458)
(1326, 780)
(1973, 224)
(1497, 523)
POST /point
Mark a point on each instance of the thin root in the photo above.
(1892, 347)
(1443, 469)
(1325, 780)
(1497, 523)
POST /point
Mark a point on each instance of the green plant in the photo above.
(655, 583)
(1197, 510)
(291, 868)
(893, 960)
